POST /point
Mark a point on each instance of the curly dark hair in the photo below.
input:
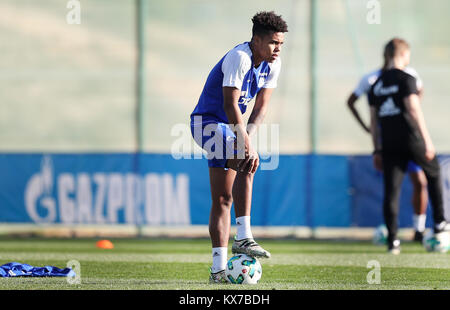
(266, 22)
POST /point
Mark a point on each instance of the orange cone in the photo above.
(104, 244)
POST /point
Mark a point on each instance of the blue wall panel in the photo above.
(156, 189)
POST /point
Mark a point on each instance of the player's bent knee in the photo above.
(233, 164)
(224, 201)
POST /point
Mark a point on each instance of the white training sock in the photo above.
(243, 228)
(419, 221)
(219, 259)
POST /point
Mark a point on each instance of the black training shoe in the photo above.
(418, 236)
(442, 227)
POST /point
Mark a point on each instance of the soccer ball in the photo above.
(243, 269)
(380, 235)
(436, 242)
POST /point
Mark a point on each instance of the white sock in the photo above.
(243, 228)
(419, 221)
(219, 259)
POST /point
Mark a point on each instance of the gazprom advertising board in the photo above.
(156, 189)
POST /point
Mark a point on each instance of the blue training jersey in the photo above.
(235, 69)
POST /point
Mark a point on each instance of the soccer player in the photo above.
(416, 175)
(399, 135)
(248, 70)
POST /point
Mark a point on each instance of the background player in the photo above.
(248, 70)
(420, 194)
(399, 134)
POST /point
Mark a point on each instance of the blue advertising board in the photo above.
(157, 189)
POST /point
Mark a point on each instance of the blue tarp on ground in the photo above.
(15, 269)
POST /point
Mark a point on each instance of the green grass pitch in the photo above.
(163, 264)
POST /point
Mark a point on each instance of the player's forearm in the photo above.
(234, 115)
(235, 119)
(359, 119)
(375, 131)
(259, 110)
(376, 139)
(351, 105)
(256, 118)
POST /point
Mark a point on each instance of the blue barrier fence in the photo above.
(156, 189)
